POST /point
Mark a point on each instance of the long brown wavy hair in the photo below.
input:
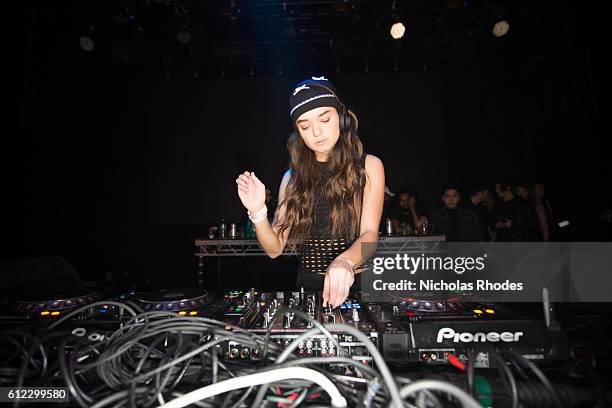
(343, 189)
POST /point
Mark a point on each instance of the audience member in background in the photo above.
(523, 192)
(458, 223)
(478, 206)
(543, 211)
(496, 203)
(488, 199)
(408, 214)
(516, 221)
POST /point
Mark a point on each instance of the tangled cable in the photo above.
(161, 359)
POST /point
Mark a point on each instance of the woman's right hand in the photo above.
(252, 191)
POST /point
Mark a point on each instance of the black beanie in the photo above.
(310, 94)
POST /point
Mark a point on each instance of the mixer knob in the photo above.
(355, 315)
(414, 305)
(329, 309)
(439, 306)
(309, 324)
(395, 309)
(427, 305)
(158, 306)
(169, 306)
(68, 303)
(287, 321)
(182, 305)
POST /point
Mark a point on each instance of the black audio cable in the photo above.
(538, 373)
(507, 375)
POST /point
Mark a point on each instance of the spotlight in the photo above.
(183, 37)
(397, 30)
(86, 43)
(501, 28)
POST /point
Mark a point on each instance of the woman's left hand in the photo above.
(338, 280)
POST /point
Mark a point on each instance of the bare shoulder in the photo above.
(373, 165)
(286, 178)
(284, 183)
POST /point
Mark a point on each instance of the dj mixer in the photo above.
(251, 330)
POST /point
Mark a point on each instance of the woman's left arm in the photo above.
(340, 273)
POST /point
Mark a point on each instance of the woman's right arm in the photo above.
(252, 194)
(272, 243)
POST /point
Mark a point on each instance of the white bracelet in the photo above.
(259, 216)
(262, 210)
(257, 220)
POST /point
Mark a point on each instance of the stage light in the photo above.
(397, 30)
(501, 28)
(86, 43)
(183, 37)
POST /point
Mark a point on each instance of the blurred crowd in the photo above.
(505, 213)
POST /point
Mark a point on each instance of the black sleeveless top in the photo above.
(319, 248)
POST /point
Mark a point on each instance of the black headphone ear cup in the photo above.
(345, 120)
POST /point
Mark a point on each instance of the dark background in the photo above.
(117, 163)
(204, 133)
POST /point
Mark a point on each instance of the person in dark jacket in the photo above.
(478, 206)
(458, 223)
(407, 213)
(516, 221)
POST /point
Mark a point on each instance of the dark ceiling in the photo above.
(190, 38)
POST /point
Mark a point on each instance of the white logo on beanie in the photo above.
(321, 78)
(298, 89)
